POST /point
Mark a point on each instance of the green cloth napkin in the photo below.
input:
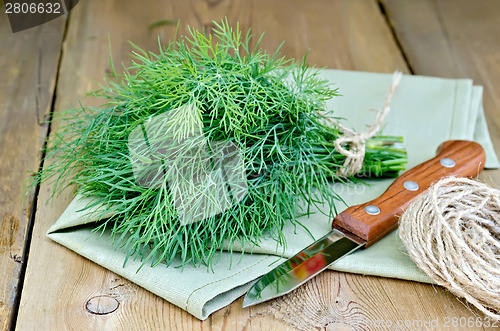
(425, 110)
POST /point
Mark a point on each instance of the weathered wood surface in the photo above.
(454, 39)
(28, 69)
(347, 34)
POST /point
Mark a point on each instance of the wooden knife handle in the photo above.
(454, 158)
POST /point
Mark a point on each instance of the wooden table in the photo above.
(46, 69)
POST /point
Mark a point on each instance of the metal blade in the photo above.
(301, 267)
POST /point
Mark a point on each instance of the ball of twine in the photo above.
(452, 233)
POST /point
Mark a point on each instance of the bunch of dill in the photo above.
(148, 154)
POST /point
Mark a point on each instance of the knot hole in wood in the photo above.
(102, 305)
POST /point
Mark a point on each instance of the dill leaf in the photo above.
(216, 93)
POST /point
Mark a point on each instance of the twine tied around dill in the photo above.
(356, 140)
(452, 233)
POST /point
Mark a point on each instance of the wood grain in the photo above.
(348, 34)
(454, 39)
(28, 67)
(469, 158)
(60, 283)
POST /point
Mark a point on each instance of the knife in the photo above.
(362, 225)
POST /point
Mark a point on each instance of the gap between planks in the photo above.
(34, 204)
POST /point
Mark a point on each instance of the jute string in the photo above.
(452, 233)
(357, 140)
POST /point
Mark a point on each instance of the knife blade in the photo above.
(362, 225)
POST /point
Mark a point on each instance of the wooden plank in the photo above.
(28, 65)
(341, 34)
(454, 39)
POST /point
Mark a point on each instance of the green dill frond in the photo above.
(205, 143)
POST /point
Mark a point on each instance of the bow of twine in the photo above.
(357, 140)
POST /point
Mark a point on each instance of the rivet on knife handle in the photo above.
(454, 158)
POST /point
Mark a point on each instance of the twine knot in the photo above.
(357, 140)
